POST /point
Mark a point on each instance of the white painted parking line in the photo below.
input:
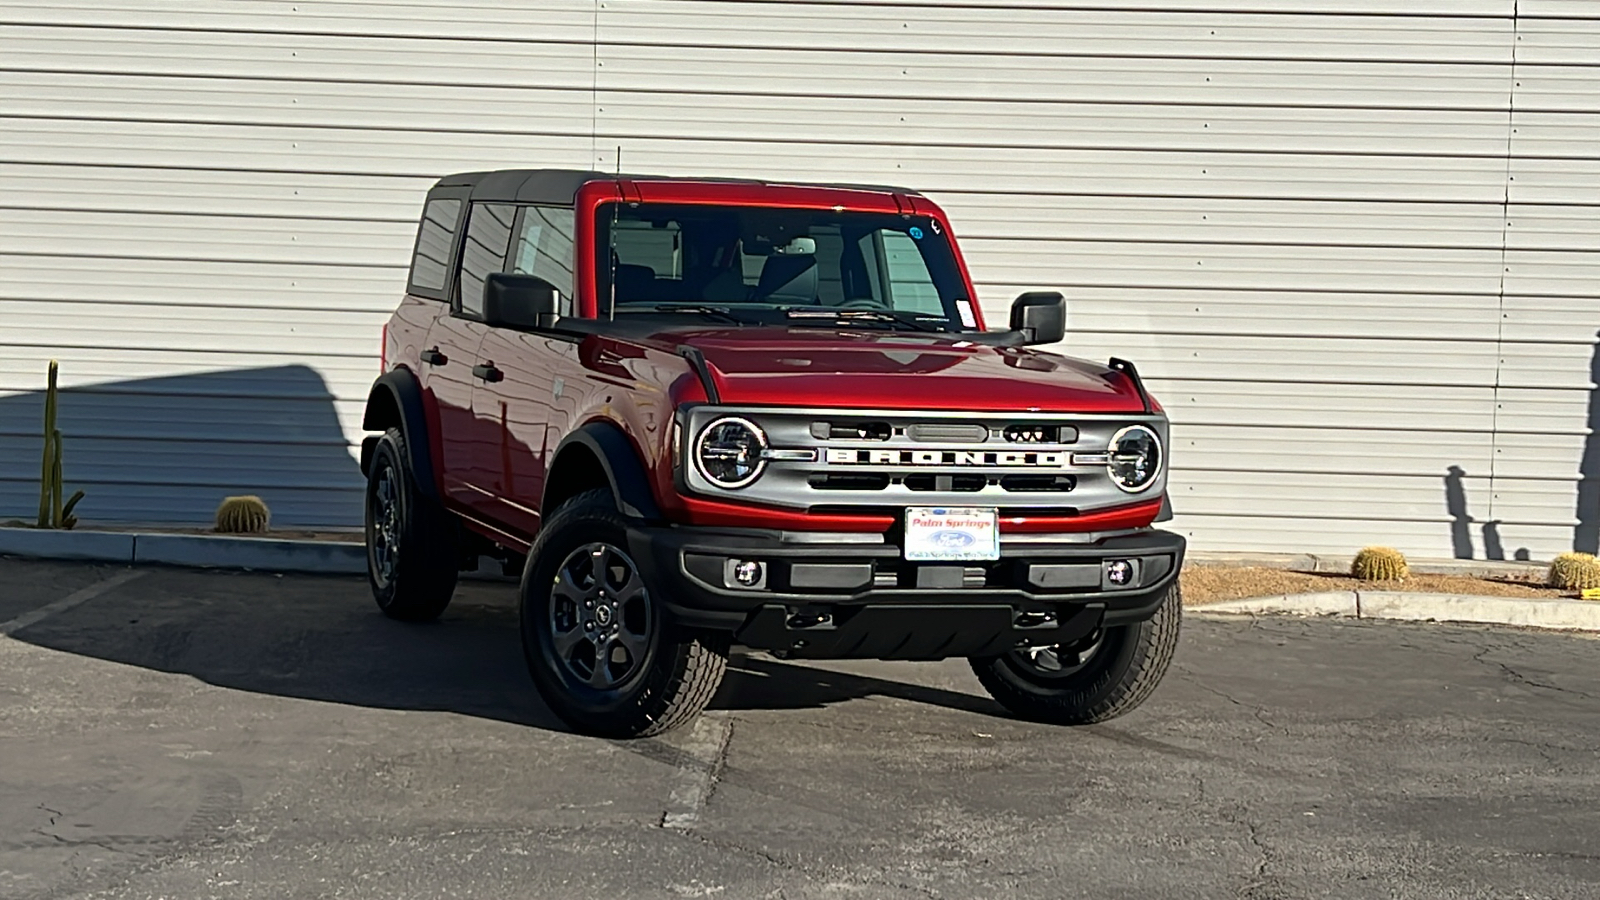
(707, 744)
(82, 595)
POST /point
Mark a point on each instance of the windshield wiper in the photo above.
(913, 321)
(720, 313)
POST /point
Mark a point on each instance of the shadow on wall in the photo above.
(1461, 522)
(1586, 537)
(167, 450)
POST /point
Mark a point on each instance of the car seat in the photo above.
(788, 280)
(634, 284)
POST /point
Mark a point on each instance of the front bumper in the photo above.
(862, 600)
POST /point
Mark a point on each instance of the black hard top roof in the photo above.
(559, 187)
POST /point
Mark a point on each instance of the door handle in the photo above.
(434, 358)
(488, 372)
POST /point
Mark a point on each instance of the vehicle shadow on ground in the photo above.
(757, 681)
(322, 639)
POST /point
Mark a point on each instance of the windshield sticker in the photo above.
(964, 310)
(916, 233)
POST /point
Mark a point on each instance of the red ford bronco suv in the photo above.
(703, 412)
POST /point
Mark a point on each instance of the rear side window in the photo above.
(488, 236)
(431, 261)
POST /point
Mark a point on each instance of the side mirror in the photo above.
(1040, 317)
(520, 301)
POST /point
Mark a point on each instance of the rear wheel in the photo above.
(1105, 675)
(597, 644)
(412, 541)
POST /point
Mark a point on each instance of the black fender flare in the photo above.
(399, 389)
(630, 484)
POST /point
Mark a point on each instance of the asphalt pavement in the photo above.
(191, 734)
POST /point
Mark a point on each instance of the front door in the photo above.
(528, 410)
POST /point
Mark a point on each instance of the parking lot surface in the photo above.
(193, 734)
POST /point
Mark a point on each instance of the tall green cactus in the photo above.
(52, 512)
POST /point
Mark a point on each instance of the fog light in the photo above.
(1119, 572)
(749, 573)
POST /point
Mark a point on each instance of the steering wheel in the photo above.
(862, 303)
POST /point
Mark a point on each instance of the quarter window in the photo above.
(488, 236)
(431, 260)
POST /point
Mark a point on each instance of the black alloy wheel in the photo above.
(412, 560)
(1105, 675)
(597, 642)
(600, 616)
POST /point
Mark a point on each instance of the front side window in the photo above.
(488, 236)
(544, 248)
(762, 265)
(431, 260)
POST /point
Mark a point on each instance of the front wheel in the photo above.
(1105, 675)
(597, 644)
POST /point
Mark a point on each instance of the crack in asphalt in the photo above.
(1257, 885)
(1260, 712)
(785, 865)
(1519, 678)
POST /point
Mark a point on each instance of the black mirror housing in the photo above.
(526, 302)
(1040, 317)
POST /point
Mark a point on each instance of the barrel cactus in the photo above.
(243, 515)
(1575, 572)
(1379, 564)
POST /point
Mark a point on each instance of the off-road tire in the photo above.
(1121, 675)
(425, 553)
(670, 683)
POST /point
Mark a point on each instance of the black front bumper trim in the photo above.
(962, 607)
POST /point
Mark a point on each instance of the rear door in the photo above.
(455, 341)
(433, 272)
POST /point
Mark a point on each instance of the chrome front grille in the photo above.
(884, 459)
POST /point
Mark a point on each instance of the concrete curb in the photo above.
(1340, 565)
(1416, 606)
(196, 550)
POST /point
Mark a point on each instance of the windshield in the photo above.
(799, 266)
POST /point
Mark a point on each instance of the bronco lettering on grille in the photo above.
(850, 456)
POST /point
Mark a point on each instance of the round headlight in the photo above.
(728, 452)
(1134, 458)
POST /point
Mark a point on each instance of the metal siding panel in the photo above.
(563, 20)
(1090, 77)
(1046, 32)
(1291, 215)
(333, 59)
(122, 189)
(1052, 125)
(252, 239)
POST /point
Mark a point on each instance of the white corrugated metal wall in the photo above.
(1351, 242)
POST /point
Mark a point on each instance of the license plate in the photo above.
(940, 534)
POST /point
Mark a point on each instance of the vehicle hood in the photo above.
(830, 368)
